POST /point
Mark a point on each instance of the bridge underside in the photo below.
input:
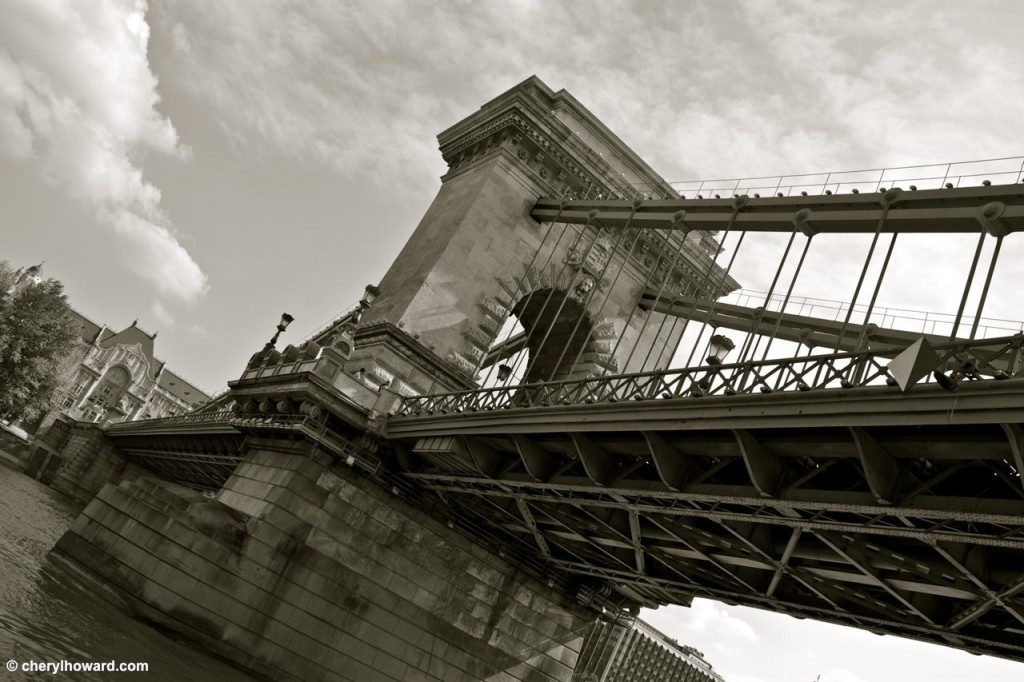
(900, 514)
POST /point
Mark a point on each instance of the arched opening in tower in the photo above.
(558, 330)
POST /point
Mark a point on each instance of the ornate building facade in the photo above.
(118, 378)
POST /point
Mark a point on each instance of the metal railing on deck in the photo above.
(971, 361)
(1000, 171)
(906, 319)
(301, 423)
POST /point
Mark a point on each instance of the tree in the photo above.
(37, 338)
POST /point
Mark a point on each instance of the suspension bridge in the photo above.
(561, 364)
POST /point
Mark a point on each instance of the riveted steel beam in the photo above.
(531, 523)
(1015, 435)
(537, 462)
(880, 469)
(764, 467)
(906, 213)
(780, 568)
(754, 510)
(673, 468)
(598, 464)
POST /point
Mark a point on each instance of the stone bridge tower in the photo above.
(317, 559)
(477, 256)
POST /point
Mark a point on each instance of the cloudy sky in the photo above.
(205, 166)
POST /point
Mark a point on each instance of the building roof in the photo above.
(131, 336)
(90, 330)
(183, 390)
(103, 337)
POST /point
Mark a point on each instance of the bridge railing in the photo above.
(190, 418)
(1000, 171)
(886, 317)
(266, 422)
(964, 361)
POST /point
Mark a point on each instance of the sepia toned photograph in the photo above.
(522, 341)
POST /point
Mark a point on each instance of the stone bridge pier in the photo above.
(303, 569)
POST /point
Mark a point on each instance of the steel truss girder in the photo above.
(926, 212)
(933, 635)
(937, 525)
(882, 603)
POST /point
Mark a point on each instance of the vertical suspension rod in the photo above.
(889, 196)
(967, 285)
(988, 282)
(565, 229)
(991, 213)
(789, 293)
(699, 287)
(611, 256)
(611, 289)
(531, 363)
(874, 295)
(524, 281)
(725, 278)
(664, 318)
(753, 338)
(677, 219)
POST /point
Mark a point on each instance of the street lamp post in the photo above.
(504, 372)
(286, 320)
(261, 357)
(718, 348)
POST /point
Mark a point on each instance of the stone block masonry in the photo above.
(303, 570)
(88, 461)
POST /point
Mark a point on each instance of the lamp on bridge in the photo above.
(370, 295)
(267, 354)
(286, 320)
(718, 348)
(504, 372)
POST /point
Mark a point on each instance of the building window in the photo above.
(108, 391)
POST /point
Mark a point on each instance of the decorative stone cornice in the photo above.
(454, 375)
(567, 147)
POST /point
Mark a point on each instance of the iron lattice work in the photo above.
(916, 531)
(202, 449)
(971, 361)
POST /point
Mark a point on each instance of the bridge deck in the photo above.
(767, 484)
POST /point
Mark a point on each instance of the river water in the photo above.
(49, 612)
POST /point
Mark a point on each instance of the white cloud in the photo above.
(709, 617)
(162, 314)
(78, 98)
(841, 675)
(705, 91)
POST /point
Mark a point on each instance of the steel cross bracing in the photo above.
(808, 485)
(792, 521)
(907, 521)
